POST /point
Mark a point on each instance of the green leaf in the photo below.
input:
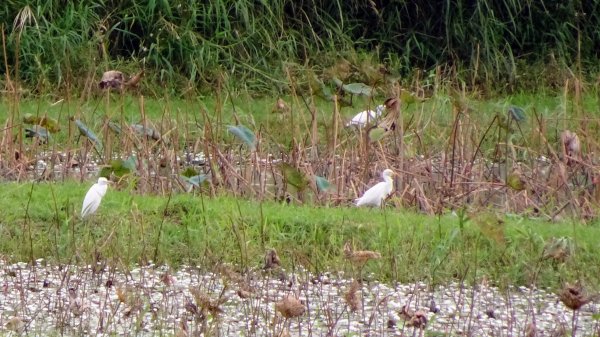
(85, 131)
(515, 182)
(325, 91)
(293, 176)
(322, 183)
(130, 163)
(119, 168)
(30, 119)
(358, 89)
(50, 124)
(517, 113)
(189, 172)
(376, 134)
(105, 172)
(338, 82)
(244, 134)
(320, 89)
(407, 97)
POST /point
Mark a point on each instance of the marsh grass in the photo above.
(493, 46)
(451, 148)
(208, 232)
(249, 205)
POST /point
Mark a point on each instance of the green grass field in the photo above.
(40, 220)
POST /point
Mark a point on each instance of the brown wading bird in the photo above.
(245, 291)
(359, 257)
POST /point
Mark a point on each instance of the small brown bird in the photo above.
(359, 257)
(271, 259)
(392, 105)
(290, 307)
(557, 249)
(245, 291)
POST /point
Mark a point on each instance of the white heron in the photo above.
(361, 118)
(93, 197)
(375, 195)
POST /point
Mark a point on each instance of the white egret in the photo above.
(375, 195)
(93, 197)
(361, 118)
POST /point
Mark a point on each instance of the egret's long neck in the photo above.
(388, 179)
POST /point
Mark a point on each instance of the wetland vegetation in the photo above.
(224, 131)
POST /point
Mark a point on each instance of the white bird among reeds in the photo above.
(375, 195)
(361, 118)
(93, 197)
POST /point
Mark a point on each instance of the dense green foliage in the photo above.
(258, 43)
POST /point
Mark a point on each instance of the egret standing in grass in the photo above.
(361, 118)
(375, 195)
(93, 197)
